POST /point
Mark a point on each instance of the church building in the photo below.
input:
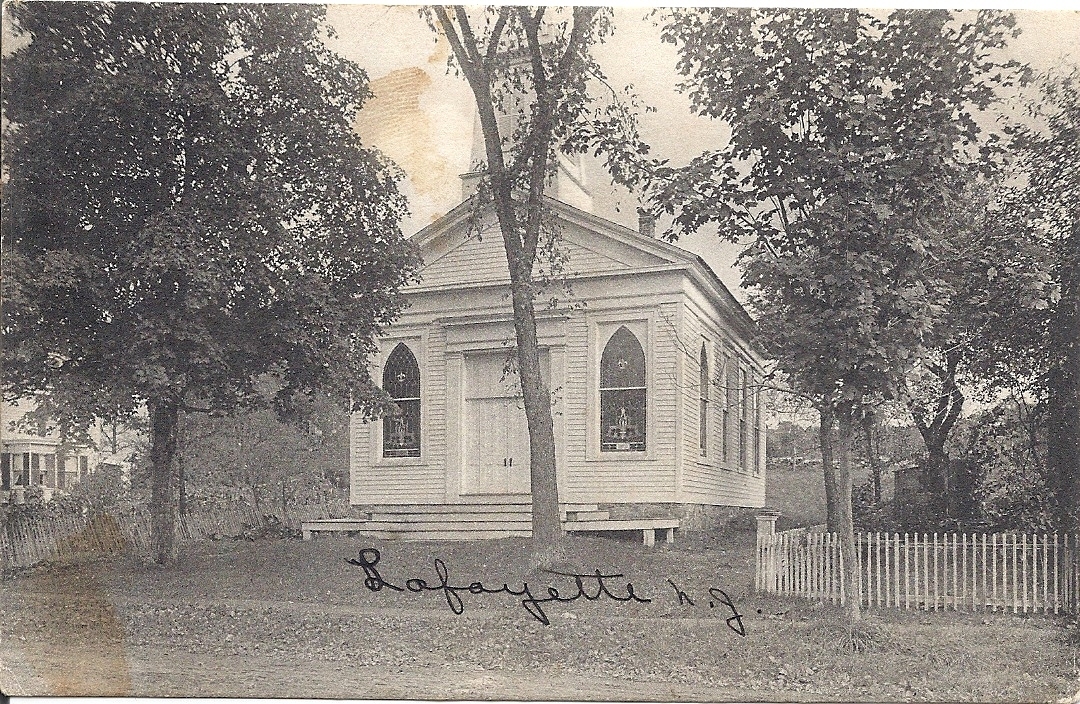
(651, 362)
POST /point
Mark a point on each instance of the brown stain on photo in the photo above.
(395, 122)
(67, 635)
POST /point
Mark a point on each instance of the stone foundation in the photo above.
(692, 517)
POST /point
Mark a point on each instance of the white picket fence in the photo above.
(931, 571)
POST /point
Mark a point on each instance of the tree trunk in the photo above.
(164, 415)
(181, 479)
(1063, 401)
(828, 465)
(181, 482)
(868, 424)
(846, 528)
(546, 526)
(937, 477)
(935, 430)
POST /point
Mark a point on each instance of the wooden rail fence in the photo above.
(932, 571)
(29, 540)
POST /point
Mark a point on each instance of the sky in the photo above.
(422, 116)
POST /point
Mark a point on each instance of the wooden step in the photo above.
(435, 525)
(452, 517)
(629, 524)
(523, 509)
(586, 516)
(472, 507)
(447, 534)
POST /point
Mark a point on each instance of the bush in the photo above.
(868, 514)
(1007, 443)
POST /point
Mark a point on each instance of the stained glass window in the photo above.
(744, 447)
(703, 401)
(401, 429)
(731, 407)
(622, 394)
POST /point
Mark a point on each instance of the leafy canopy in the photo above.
(851, 135)
(189, 209)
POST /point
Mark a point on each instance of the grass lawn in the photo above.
(289, 618)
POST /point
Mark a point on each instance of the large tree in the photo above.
(188, 213)
(532, 65)
(1049, 208)
(848, 137)
(997, 286)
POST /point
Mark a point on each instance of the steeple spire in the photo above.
(568, 183)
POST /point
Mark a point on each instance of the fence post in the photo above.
(766, 542)
(1024, 573)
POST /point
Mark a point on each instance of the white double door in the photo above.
(496, 430)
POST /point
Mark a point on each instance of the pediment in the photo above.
(457, 251)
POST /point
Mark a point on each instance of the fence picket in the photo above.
(1045, 586)
(954, 591)
(858, 566)
(1057, 559)
(907, 575)
(1024, 574)
(958, 571)
(877, 567)
(964, 570)
(1015, 601)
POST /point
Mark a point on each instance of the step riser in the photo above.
(477, 516)
(452, 518)
(456, 526)
(586, 516)
(503, 507)
(447, 535)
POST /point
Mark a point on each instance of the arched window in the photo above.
(401, 429)
(744, 415)
(703, 401)
(622, 394)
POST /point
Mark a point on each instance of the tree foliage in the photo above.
(851, 135)
(188, 210)
(254, 457)
(1050, 344)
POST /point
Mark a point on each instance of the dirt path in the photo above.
(160, 672)
(70, 641)
(286, 619)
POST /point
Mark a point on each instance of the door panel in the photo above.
(496, 430)
(517, 446)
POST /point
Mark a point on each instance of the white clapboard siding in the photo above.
(482, 259)
(659, 280)
(619, 480)
(708, 479)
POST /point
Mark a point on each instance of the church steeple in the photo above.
(568, 183)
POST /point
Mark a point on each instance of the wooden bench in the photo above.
(308, 528)
(647, 526)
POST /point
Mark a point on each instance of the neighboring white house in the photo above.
(653, 370)
(45, 461)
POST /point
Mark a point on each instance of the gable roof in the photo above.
(618, 247)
